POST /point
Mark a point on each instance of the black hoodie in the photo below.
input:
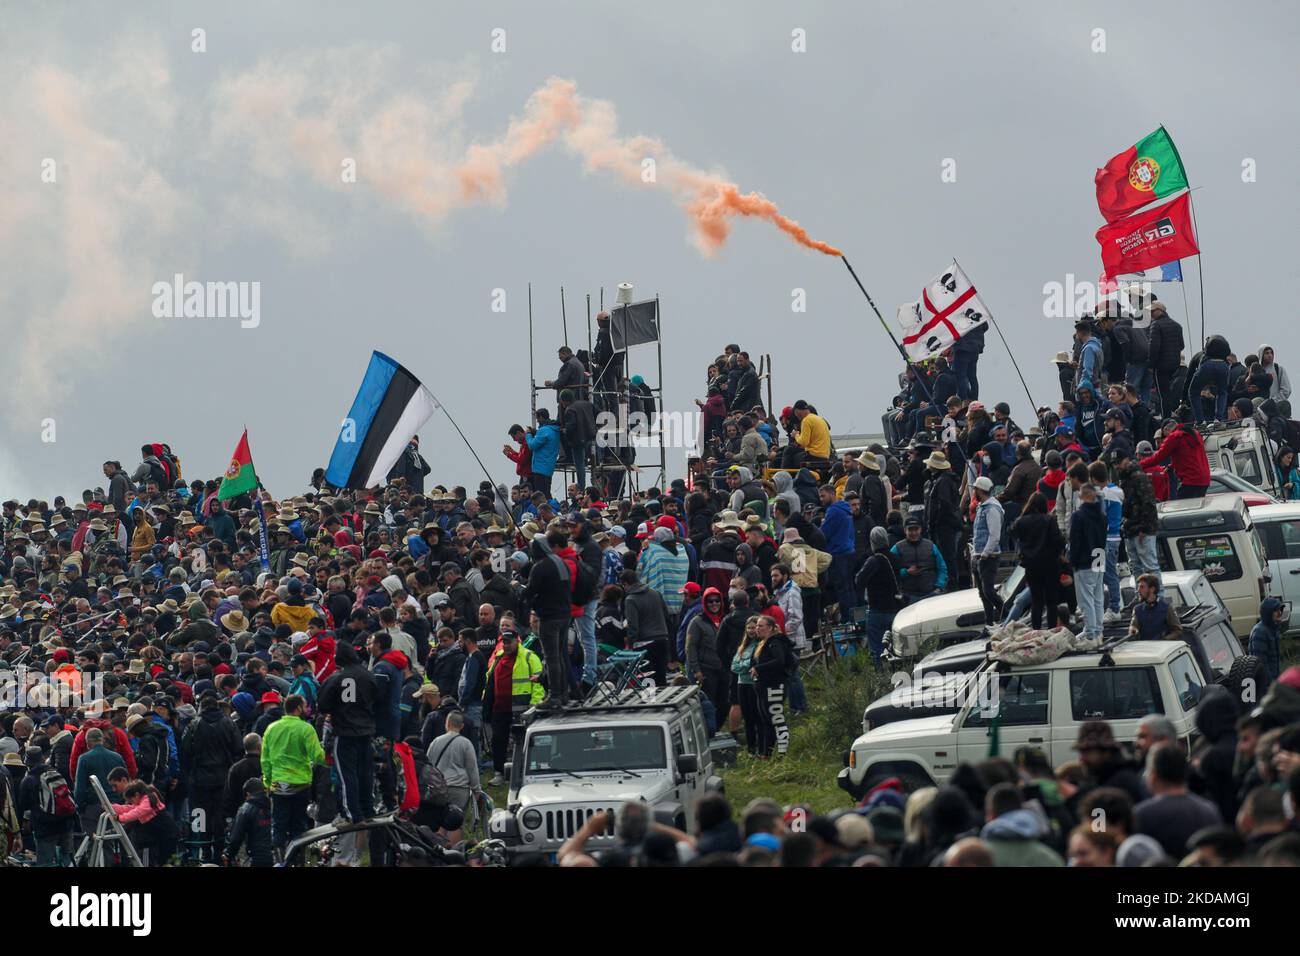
(1215, 756)
(252, 830)
(152, 751)
(209, 748)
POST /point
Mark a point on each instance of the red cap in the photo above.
(270, 697)
(787, 411)
(690, 587)
(666, 521)
(62, 656)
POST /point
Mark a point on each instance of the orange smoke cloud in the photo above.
(711, 214)
(410, 149)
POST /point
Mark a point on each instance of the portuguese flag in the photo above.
(239, 476)
(1143, 173)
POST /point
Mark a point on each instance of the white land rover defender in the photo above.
(1039, 705)
(651, 746)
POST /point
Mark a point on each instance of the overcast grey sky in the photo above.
(161, 170)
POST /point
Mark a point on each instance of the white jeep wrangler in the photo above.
(651, 746)
(1040, 706)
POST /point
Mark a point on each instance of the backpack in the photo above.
(587, 585)
(56, 798)
(158, 474)
(433, 785)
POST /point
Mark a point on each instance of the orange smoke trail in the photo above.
(412, 154)
(712, 213)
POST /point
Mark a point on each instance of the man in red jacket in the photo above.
(114, 738)
(1185, 450)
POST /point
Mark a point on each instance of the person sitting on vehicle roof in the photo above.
(1154, 618)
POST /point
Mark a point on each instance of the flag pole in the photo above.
(920, 377)
(1200, 270)
(1191, 205)
(1016, 365)
(496, 492)
(263, 545)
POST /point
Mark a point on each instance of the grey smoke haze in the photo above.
(172, 161)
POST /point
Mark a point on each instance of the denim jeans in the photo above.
(963, 368)
(1090, 592)
(798, 696)
(878, 622)
(578, 452)
(1140, 377)
(1213, 372)
(55, 849)
(841, 578)
(587, 638)
(1142, 557)
(1019, 606)
(1112, 574)
(474, 726)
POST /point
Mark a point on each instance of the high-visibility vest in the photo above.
(523, 689)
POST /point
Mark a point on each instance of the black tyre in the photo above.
(1243, 669)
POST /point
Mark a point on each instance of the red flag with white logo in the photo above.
(1149, 238)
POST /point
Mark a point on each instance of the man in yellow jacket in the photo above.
(814, 435)
(512, 685)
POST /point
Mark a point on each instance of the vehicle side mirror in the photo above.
(688, 763)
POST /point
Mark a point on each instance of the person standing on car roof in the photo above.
(1185, 449)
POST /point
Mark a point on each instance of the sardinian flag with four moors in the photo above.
(949, 308)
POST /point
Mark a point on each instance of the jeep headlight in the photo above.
(531, 819)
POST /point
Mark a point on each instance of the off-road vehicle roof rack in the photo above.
(674, 695)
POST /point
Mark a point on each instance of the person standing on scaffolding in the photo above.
(607, 366)
(572, 375)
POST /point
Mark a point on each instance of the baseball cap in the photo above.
(618, 531)
(984, 483)
(690, 587)
(666, 521)
(1062, 430)
(912, 523)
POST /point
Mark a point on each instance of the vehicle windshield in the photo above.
(588, 749)
(1011, 583)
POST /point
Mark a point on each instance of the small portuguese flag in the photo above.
(1143, 173)
(239, 476)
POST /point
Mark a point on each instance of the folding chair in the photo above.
(619, 672)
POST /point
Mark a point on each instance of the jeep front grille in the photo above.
(562, 824)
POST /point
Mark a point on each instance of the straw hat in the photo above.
(938, 461)
(234, 621)
(728, 519)
(1062, 358)
(868, 460)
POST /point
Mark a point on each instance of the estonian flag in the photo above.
(1168, 272)
(389, 409)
